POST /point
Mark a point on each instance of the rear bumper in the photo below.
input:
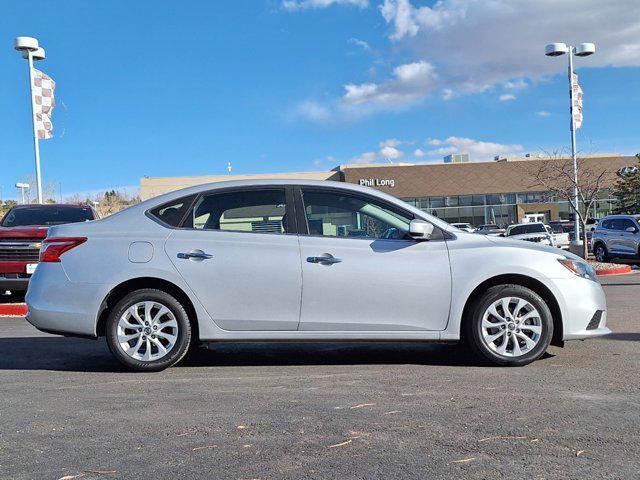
(57, 305)
(14, 284)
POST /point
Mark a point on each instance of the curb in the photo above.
(13, 310)
(614, 271)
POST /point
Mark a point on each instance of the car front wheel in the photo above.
(600, 252)
(148, 330)
(509, 325)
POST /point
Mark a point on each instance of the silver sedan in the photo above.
(300, 261)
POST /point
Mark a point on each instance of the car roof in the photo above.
(51, 205)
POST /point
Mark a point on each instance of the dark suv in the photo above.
(616, 236)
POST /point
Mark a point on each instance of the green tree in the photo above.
(627, 191)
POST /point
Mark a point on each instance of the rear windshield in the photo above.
(531, 228)
(46, 216)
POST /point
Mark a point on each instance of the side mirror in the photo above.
(420, 230)
(631, 229)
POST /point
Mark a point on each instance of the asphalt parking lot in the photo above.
(280, 411)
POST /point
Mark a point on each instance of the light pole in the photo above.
(31, 51)
(22, 187)
(582, 50)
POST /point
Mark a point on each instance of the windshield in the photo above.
(528, 228)
(46, 216)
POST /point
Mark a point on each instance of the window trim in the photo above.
(301, 216)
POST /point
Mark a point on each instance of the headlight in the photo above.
(582, 269)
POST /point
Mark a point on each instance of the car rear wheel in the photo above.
(509, 325)
(600, 252)
(148, 330)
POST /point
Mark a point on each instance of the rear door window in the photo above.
(254, 211)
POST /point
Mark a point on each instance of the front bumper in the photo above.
(579, 300)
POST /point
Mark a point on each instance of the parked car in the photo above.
(616, 236)
(531, 232)
(467, 227)
(560, 232)
(303, 260)
(490, 229)
(22, 230)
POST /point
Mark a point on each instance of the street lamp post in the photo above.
(22, 187)
(582, 50)
(31, 52)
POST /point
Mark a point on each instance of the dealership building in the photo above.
(503, 191)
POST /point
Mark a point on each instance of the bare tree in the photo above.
(555, 175)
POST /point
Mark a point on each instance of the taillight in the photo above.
(53, 247)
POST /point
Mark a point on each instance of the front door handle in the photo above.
(324, 259)
(194, 255)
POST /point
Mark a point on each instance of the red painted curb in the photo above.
(13, 309)
(614, 271)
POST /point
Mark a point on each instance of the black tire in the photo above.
(174, 355)
(472, 327)
(600, 251)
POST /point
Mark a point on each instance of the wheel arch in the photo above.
(525, 281)
(128, 286)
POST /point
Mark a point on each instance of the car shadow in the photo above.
(80, 355)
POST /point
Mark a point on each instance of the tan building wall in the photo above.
(474, 178)
(414, 181)
(152, 187)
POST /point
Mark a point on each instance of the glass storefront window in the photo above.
(436, 202)
(478, 199)
(465, 200)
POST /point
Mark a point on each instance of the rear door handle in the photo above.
(194, 255)
(325, 259)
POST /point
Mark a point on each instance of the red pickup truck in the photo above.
(22, 229)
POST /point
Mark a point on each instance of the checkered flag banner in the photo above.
(577, 101)
(43, 87)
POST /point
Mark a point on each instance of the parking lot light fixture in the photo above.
(23, 187)
(31, 51)
(582, 50)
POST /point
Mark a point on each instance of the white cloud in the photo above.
(308, 4)
(390, 153)
(311, 110)
(543, 113)
(391, 142)
(410, 82)
(387, 152)
(477, 149)
(434, 142)
(366, 157)
(360, 43)
(516, 84)
(466, 47)
(477, 42)
(418, 152)
(505, 97)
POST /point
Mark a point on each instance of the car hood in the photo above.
(30, 231)
(508, 242)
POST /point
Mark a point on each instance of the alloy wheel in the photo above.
(147, 331)
(511, 327)
(599, 253)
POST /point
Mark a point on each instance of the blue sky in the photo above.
(182, 88)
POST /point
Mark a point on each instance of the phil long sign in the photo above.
(377, 182)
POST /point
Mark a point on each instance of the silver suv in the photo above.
(616, 236)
